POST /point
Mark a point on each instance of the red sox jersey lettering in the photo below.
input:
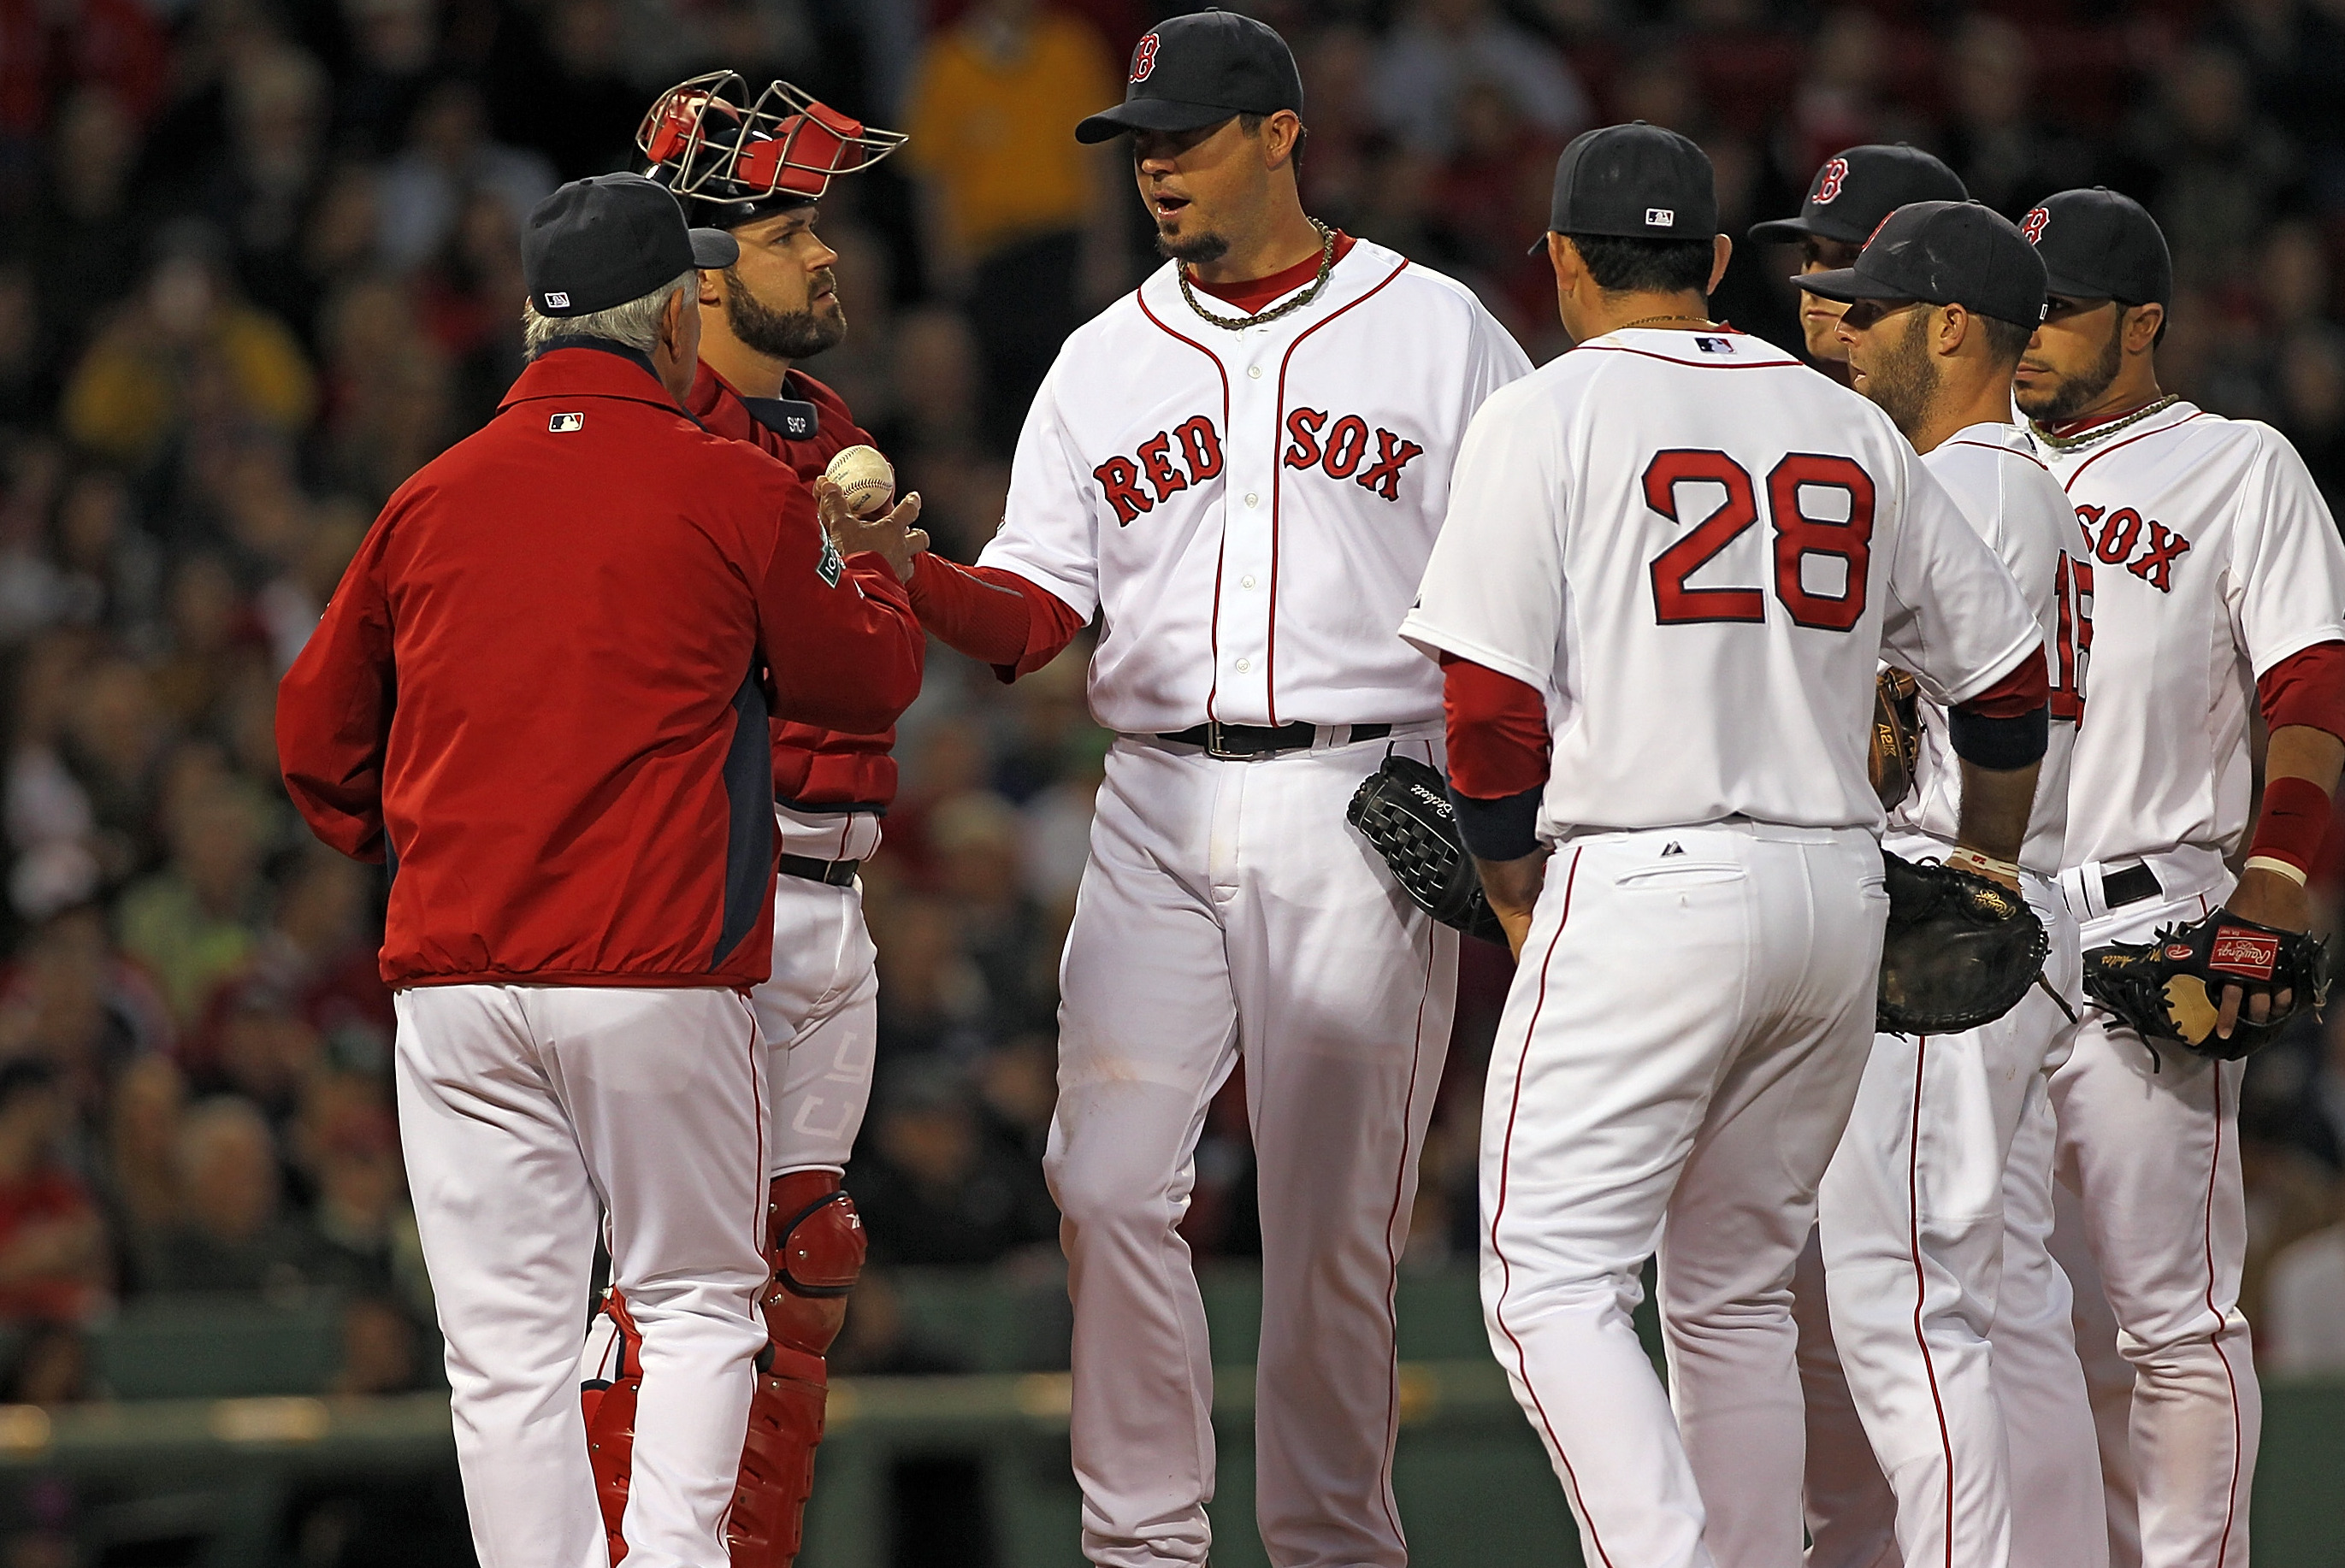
(1347, 444)
(1201, 459)
(2112, 536)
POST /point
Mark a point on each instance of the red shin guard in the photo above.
(814, 1243)
(608, 1401)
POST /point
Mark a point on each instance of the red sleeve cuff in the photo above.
(1498, 739)
(992, 615)
(2025, 689)
(2306, 688)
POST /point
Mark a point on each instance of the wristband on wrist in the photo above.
(1985, 865)
(2279, 867)
(2289, 828)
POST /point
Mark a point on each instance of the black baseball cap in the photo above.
(1198, 70)
(2100, 245)
(1858, 186)
(600, 242)
(1946, 253)
(1633, 182)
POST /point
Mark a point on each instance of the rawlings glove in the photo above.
(1896, 736)
(2171, 986)
(1961, 950)
(1403, 810)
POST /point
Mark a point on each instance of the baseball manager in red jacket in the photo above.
(541, 693)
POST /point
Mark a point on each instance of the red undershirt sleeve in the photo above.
(994, 616)
(1499, 739)
(2025, 689)
(2306, 688)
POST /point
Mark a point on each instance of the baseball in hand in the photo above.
(864, 477)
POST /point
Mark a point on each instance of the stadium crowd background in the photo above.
(258, 264)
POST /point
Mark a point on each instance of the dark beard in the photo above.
(2079, 392)
(1197, 250)
(779, 334)
(1903, 382)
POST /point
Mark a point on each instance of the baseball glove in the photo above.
(1961, 950)
(1896, 735)
(2171, 986)
(1403, 810)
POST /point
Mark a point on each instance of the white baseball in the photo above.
(864, 477)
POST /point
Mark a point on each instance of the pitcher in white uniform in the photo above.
(1672, 561)
(1937, 1213)
(2218, 580)
(1239, 469)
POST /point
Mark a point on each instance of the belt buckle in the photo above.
(1213, 747)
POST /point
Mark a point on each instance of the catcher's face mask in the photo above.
(707, 139)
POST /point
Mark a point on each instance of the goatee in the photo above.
(2081, 391)
(782, 334)
(1902, 381)
(1196, 250)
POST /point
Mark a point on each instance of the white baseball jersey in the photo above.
(2214, 558)
(2002, 487)
(1697, 547)
(1250, 511)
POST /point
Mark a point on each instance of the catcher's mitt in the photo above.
(1403, 810)
(1961, 950)
(1896, 736)
(2171, 986)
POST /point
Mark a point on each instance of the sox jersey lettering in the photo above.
(1194, 486)
(1734, 566)
(1994, 477)
(2213, 558)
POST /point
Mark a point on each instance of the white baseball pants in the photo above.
(2150, 1144)
(524, 1111)
(818, 1011)
(1676, 1061)
(1950, 1133)
(1229, 911)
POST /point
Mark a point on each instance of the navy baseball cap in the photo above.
(1858, 186)
(1945, 253)
(1199, 70)
(2098, 245)
(600, 242)
(1633, 182)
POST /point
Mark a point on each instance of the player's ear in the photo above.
(1956, 325)
(2141, 326)
(711, 292)
(1282, 133)
(1721, 250)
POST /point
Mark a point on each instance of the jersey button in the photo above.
(1254, 372)
(1243, 666)
(1246, 582)
(1252, 498)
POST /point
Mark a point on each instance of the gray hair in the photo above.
(635, 325)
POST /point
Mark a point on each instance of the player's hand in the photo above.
(1512, 886)
(2268, 898)
(890, 535)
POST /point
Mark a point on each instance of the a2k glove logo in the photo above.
(2143, 546)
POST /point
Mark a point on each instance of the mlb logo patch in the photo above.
(557, 302)
(1660, 217)
(1714, 345)
(2238, 952)
(565, 424)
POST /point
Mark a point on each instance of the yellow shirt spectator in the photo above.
(993, 114)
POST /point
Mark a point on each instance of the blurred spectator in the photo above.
(380, 1352)
(2303, 1321)
(231, 1233)
(140, 1165)
(931, 1189)
(1446, 53)
(1013, 200)
(71, 1001)
(448, 159)
(1997, 139)
(2225, 167)
(52, 1365)
(196, 920)
(53, 1255)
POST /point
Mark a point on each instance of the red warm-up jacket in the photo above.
(821, 769)
(542, 688)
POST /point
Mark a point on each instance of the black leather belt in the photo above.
(2131, 886)
(1262, 740)
(836, 873)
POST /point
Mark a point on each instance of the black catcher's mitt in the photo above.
(1896, 736)
(2171, 986)
(1403, 810)
(1960, 952)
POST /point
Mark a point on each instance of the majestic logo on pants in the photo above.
(2143, 546)
(1340, 451)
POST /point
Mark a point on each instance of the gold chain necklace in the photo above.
(2102, 432)
(1643, 321)
(1240, 323)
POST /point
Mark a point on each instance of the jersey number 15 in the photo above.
(1798, 537)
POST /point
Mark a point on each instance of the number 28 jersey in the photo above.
(1698, 549)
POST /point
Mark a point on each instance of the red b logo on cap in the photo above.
(1143, 59)
(1835, 173)
(2031, 228)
